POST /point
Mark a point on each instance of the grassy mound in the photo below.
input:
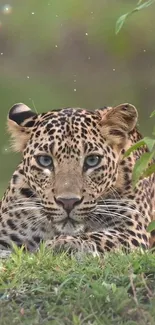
(53, 289)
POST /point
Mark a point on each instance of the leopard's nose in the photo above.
(68, 203)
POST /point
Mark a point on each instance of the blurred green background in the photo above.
(57, 53)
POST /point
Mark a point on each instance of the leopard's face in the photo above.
(70, 165)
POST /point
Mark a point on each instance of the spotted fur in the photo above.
(71, 204)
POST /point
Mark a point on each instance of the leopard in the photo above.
(73, 189)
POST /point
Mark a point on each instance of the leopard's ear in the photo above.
(20, 123)
(117, 122)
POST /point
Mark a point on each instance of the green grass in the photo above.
(57, 289)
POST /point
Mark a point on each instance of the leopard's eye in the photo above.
(44, 161)
(92, 161)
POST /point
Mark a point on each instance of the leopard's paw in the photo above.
(73, 245)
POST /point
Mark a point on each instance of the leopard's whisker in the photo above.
(127, 209)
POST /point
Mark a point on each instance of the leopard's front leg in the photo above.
(80, 244)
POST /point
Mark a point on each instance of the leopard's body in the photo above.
(73, 188)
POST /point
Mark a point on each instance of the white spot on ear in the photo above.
(20, 107)
(47, 172)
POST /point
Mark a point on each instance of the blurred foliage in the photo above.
(65, 53)
(144, 166)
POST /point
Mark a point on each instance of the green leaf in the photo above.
(149, 142)
(134, 147)
(151, 226)
(145, 5)
(140, 166)
(149, 171)
(120, 22)
(152, 114)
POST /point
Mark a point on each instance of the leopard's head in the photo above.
(70, 158)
